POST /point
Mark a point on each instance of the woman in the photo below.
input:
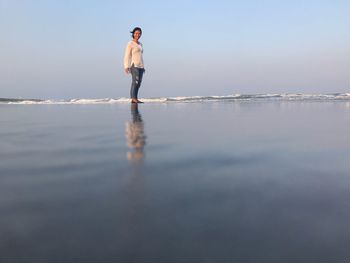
(133, 63)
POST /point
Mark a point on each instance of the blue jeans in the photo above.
(136, 74)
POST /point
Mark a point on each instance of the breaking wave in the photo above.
(235, 97)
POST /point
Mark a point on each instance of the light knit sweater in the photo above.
(133, 55)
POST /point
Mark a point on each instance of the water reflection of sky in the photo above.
(248, 181)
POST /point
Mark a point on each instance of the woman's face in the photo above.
(137, 34)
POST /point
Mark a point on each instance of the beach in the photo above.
(199, 181)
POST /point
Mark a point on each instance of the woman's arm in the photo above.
(127, 58)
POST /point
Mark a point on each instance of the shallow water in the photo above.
(235, 181)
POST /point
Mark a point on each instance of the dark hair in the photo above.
(134, 30)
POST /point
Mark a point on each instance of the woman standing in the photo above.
(133, 63)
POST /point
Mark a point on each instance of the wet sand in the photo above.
(233, 181)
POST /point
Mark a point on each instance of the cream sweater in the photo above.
(133, 55)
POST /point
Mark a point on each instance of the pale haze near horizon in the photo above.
(75, 49)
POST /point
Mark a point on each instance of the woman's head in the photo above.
(136, 33)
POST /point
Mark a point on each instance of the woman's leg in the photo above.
(136, 74)
(138, 80)
(133, 92)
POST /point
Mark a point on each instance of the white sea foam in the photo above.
(234, 97)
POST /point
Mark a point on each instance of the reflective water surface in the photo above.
(175, 182)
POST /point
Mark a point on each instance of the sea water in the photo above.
(213, 180)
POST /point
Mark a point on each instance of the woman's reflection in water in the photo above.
(135, 136)
(134, 217)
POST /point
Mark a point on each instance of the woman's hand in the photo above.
(127, 70)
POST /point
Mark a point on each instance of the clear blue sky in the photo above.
(74, 48)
